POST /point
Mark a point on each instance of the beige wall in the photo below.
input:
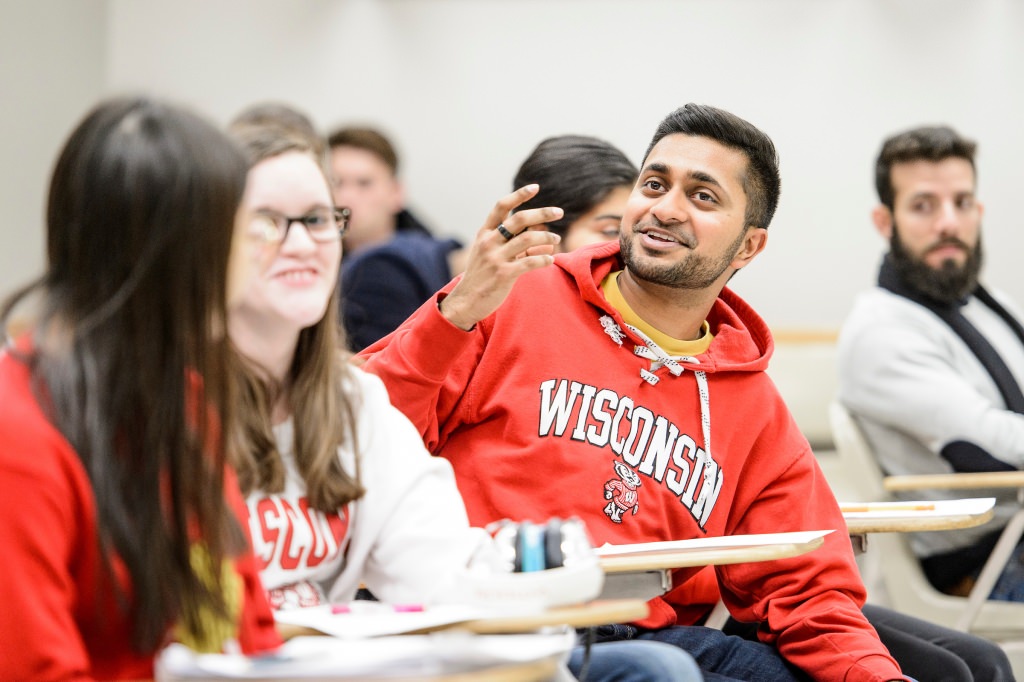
(468, 87)
(51, 71)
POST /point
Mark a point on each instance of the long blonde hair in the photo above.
(319, 387)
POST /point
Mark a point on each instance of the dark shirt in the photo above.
(382, 285)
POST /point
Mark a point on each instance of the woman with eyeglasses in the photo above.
(322, 518)
(119, 523)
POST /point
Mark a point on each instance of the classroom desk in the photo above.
(535, 671)
(916, 516)
(912, 517)
(1012, 533)
(966, 481)
(596, 612)
(648, 574)
(402, 659)
(532, 671)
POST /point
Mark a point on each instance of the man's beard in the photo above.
(694, 272)
(951, 283)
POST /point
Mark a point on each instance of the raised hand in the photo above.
(506, 247)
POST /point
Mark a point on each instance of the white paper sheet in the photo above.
(373, 619)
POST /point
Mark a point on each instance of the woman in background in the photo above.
(118, 522)
(588, 178)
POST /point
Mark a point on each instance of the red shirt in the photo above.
(553, 406)
(55, 622)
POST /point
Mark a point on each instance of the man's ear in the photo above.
(754, 241)
(398, 196)
(881, 216)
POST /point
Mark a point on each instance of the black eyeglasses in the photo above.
(323, 225)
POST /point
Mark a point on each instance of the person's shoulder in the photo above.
(411, 249)
(1005, 299)
(407, 223)
(881, 321)
(31, 447)
(364, 386)
(877, 306)
(21, 413)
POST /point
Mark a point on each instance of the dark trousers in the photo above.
(924, 650)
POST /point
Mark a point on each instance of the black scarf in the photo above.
(979, 345)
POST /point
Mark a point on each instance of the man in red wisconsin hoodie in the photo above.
(625, 385)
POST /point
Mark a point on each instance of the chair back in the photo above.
(906, 588)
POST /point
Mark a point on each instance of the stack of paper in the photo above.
(375, 619)
(323, 658)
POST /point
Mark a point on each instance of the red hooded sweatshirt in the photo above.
(553, 406)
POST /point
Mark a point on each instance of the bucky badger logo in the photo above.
(622, 493)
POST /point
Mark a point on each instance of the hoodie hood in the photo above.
(742, 342)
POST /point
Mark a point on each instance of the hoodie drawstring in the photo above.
(659, 358)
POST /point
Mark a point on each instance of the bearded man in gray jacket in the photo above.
(931, 363)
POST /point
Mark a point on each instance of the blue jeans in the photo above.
(634, 661)
(720, 657)
(1010, 586)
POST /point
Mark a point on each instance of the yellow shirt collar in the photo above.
(673, 347)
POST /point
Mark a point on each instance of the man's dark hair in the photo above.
(575, 173)
(761, 182)
(928, 143)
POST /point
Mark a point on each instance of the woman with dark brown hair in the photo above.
(118, 522)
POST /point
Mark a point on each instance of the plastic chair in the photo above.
(900, 571)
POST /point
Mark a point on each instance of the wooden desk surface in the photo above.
(540, 670)
(966, 481)
(708, 556)
(531, 671)
(599, 612)
(902, 517)
(535, 671)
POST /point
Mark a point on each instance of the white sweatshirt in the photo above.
(407, 539)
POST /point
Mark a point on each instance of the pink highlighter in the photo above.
(368, 607)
